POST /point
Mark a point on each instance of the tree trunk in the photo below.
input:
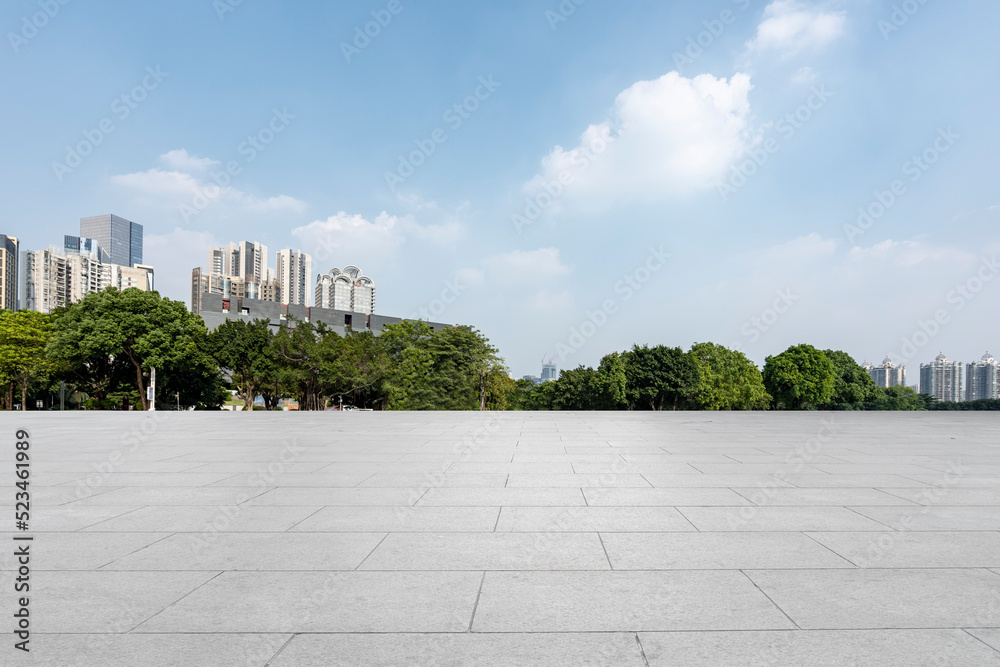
(142, 387)
(24, 396)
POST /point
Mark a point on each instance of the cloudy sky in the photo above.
(570, 178)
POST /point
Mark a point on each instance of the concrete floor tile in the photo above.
(583, 480)
(724, 551)
(876, 598)
(252, 551)
(77, 550)
(817, 648)
(278, 602)
(895, 549)
(400, 519)
(591, 519)
(934, 518)
(461, 650)
(336, 497)
(122, 650)
(622, 602)
(783, 497)
(207, 519)
(443, 480)
(681, 497)
(98, 602)
(779, 519)
(489, 551)
(501, 498)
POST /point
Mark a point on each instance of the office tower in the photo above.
(549, 372)
(983, 379)
(888, 374)
(75, 245)
(56, 278)
(942, 379)
(121, 239)
(9, 272)
(348, 289)
(294, 270)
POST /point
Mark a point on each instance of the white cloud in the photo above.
(789, 26)
(670, 136)
(181, 160)
(197, 192)
(351, 239)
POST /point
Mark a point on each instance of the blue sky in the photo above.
(738, 138)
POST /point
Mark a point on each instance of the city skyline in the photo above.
(774, 161)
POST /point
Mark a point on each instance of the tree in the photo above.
(114, 330)
(900, 399)
(298, 350)
(853, 387)
(611, 383)
(728, 380)
(355, 367)
(800, 378)
(23, 338)
(243, 349)
(659, 376)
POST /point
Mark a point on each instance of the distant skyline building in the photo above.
(55, 278)
(983, 379)
(348, 290)
(10, 254)
(293, 269)
(888, 374)
(942, 379)
(234, 287)
(550, 373)
(121, 239)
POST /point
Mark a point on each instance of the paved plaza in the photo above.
(619, 539)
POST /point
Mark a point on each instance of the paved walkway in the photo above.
(515, 539)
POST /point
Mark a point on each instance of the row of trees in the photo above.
(106, 345)
(713, 377)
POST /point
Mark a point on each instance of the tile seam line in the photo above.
(776, 606)
(131, 553)
(363, 560)
(966, 631)
(844, 558)
(642, 651)
(280, 650)
(305, 518)
(475, 606)
(218, 574)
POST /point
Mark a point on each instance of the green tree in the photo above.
(23, 339)
(799, 378)
(728, 380)
(298, 348)
(658, 377)
(243, 348)
(899, 399)
(854, 387)
(114, 330)
(611, 383)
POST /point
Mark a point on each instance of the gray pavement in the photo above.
(619, 539)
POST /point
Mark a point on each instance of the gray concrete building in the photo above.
(216, 309)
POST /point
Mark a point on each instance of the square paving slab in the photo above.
(512, 539)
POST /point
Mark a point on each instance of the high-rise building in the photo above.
(888, 374)
(294, 273)
(549, 372)
(983, 379)
(121, 239)
(54, 278)
(9, 272)
(942, 379)
(230, 287)
(247, 260)
(348, 289)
